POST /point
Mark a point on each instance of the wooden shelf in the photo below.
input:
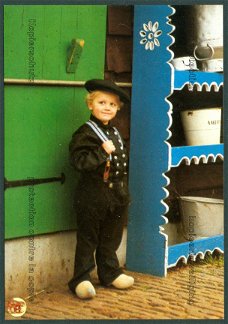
(196, 153)
(197, 247)
(181, 78)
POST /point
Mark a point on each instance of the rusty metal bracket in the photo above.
(32, 182)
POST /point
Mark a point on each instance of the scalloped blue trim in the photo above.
(195, 153)
(198, 78)
(195, 248)
(169, 118)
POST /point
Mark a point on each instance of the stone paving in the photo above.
(188, 292)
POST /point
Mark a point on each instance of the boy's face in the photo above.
(104, 106)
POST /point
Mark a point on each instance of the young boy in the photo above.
(97, 151)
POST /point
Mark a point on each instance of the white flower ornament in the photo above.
(150, 34)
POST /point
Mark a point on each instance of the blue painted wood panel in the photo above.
(183, 250)
(183, 77)
(191, 152)
(146, 248)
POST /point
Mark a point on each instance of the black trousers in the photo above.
(99, 234)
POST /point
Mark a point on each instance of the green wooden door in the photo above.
(39, 120)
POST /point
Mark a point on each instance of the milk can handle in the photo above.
(204, 59)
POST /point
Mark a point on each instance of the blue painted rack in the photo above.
(194, 248)
(196, 153)
(182, 78)
(151, 156)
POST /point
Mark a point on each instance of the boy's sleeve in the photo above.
(86, 152)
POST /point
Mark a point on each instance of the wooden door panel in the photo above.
(39, 120)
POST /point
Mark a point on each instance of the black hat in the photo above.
(108, 86)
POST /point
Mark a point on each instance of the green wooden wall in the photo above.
(39, 120)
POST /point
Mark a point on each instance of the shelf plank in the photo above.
(196, 153)
(183, 250)
(197, 77)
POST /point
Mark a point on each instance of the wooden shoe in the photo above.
(123, 282)
(85, 290)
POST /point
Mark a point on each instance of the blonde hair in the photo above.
(92, 95)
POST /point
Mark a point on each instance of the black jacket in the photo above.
(89, 158)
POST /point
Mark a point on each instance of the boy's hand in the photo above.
(109, 147)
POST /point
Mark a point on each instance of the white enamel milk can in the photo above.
(206, 36)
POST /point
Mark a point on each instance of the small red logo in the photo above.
(17, 307)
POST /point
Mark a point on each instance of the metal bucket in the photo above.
(202, 126)
(206, 33)
(201, 217)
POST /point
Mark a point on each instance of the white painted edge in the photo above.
(199, 87)
(200, 253)
(196, 159)
(161, 228)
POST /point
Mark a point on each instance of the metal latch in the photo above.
(32, 182)
(74, 54)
